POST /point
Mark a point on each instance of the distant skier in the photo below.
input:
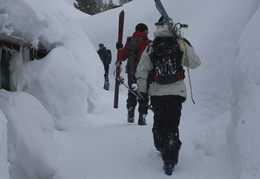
(161, 68)
(105, 57)
(132, 51)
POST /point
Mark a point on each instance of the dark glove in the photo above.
(119, 45)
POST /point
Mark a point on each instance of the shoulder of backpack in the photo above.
(134, 43)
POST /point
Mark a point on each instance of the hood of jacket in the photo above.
(162, 31)
(139, 34)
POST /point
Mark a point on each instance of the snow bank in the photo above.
(64, 83)
(31, 148)
(244, 127)
(3, 147)
(65, 77)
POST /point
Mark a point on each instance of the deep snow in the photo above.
(61, 124)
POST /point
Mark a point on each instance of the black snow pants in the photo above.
(106, 68)
(132, 99)
(167, 113)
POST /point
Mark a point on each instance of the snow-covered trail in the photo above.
(109, 148)
(115, 151)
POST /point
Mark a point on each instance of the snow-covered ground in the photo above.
(61, 124)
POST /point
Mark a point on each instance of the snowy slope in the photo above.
(63, 126)
(3, 147)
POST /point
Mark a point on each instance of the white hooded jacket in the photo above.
(189, 59)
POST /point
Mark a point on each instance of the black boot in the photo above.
(131, 115)
(106, 83)
(141, 119)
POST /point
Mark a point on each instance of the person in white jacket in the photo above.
(166, 99)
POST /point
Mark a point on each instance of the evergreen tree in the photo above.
(100, 5)
(87, 6)
(110, 4)
(105, 6)
(96, 6)
(121, 2)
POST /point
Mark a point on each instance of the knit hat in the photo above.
(141, 27)
(161, 21)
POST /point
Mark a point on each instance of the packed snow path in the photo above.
(111, 148)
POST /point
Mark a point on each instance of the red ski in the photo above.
(118, 62)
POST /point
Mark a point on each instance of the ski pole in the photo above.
(137, 94)
(188, 68)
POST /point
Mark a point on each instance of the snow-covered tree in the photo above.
(121, 2)
(100, 5)
(87, 6)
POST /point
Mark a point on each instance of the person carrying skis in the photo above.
(162, 65)
(105, 57)
(132, 51)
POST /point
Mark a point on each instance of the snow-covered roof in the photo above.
(12, 42)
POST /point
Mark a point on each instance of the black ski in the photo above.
(164, 14)
(118, 62)
(172, 27)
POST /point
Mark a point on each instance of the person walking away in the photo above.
(132, 51)
(105, 57)
(161, 68)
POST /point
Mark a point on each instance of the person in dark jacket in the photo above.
(141, 31)
(105, 57)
